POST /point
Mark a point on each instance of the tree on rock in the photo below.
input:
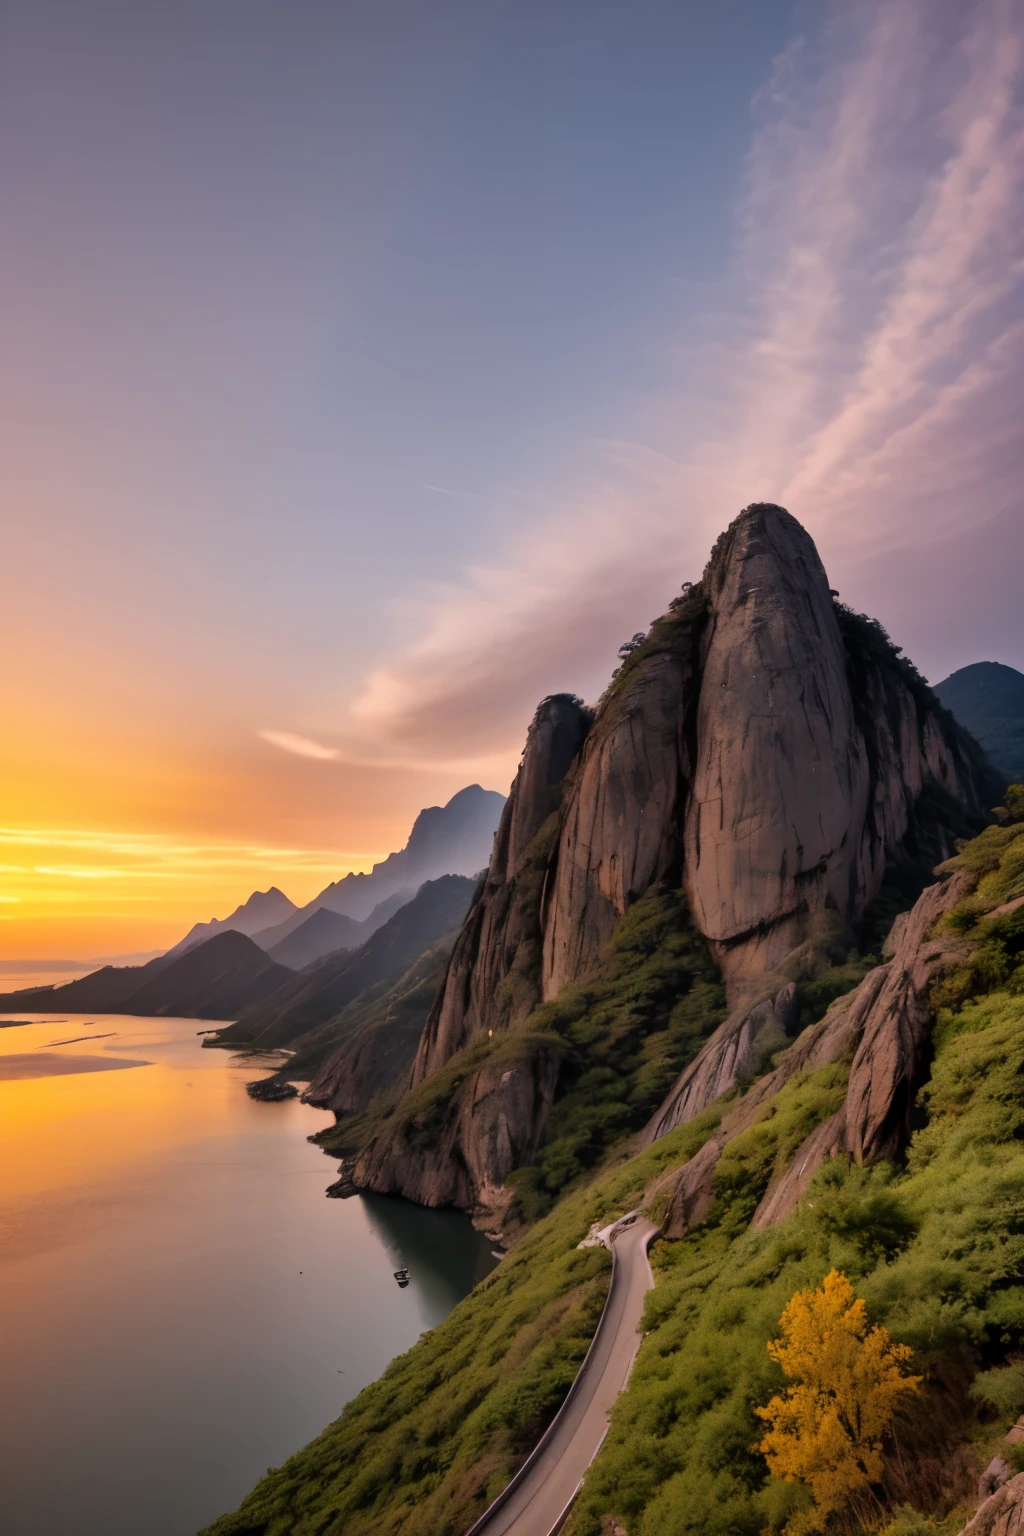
(826, 1430)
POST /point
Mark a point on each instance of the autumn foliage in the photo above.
(826, 1430)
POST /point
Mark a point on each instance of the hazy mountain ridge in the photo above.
(310, 1000)
(451, 839)
(262, 909)
(214, 979)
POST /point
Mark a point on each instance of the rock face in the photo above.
(1002, 1513)
(465, 1159)
(732, 1053)
(621, 828)
(777, 817)
(885, 1022)
(491, 978)
(764, 749)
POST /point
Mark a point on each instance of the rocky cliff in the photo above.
(492, 979)
(884, 1025)
(767, 752)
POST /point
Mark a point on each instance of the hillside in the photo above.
(369, 1046)
(988, 699)
(322, 933)
(212, 980)
(317, 995)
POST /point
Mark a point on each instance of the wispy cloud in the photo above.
(867, 375)
(301, 746)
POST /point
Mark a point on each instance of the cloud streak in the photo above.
(867, 374)
(301, 746)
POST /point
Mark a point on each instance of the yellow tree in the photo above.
(848, 1378)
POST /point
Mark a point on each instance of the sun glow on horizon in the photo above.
(148, 887)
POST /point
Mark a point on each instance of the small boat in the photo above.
(403, 1277)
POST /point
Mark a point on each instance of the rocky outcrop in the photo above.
(1002, 1513)
(812, 753)
(776, 818)
(493, 979)
(734, 1052)
(885, 1023)
(621, 829)
(462, 1151)
(765, 750)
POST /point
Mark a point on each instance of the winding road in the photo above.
(537, 1500)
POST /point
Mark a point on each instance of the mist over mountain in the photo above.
(310, 1000)
(261, 910)
(452, 839)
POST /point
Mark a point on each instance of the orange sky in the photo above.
(118, 847)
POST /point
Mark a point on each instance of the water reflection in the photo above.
(432, 1245)
(181, 1306)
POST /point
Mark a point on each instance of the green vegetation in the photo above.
(398, 1009)
(422, 1450)
(675, 632)
(623, 1036)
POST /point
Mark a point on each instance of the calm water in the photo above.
(180, 1307)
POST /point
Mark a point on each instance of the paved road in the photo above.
(550, 1480)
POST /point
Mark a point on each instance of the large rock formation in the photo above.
(766, 750)
(492, 978)
(885, 1024)
(1002, 1513)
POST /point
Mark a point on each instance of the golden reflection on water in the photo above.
(63, 1132)
(181, 1307)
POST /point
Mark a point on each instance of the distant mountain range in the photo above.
(262, 910)
(213, 980)
(231, 977)
(453, 839)
(311, 999)
(988, 698)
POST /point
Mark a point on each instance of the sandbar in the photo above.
(26, 1064)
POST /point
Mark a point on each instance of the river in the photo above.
(180, 1306)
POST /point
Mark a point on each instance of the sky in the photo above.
(370, 370)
